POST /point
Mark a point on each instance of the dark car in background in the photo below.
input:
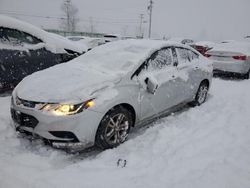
(25, 49)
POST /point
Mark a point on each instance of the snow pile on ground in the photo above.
(206, 146)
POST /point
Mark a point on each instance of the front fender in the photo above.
(112, 97)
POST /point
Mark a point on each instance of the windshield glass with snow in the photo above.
(121, 56)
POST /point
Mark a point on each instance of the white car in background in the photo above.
(98, 97)
(231, 58)
(89, 42)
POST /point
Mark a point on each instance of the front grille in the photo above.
(29, 121)
(23, 120)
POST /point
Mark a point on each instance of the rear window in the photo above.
(193, 55)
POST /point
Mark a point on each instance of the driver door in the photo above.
(159, 67)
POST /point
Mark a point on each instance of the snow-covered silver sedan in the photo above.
(98, 97)
(231, 58)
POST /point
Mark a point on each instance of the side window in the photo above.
(193, 56)
(160, 59)
(183, 55)
(16, 37)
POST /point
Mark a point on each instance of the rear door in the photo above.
(188, 71)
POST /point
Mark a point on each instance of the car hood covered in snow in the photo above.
(64, 83)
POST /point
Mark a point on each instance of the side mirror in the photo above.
(152, 85)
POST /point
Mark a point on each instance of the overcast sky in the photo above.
(198, 19)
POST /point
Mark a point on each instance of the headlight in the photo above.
(67, 109)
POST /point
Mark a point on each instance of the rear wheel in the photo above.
(201, 94)
(114, 128)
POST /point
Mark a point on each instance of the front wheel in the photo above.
(114, 128)
(201, 94)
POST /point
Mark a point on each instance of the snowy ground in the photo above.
(201, 147)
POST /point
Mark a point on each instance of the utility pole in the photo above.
(67, 3)
(150, 8)
(141, 21)
(91, 25)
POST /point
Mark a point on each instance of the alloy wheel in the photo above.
(202, 94)
(117, 129)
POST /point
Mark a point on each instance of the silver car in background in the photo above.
(98, 97)
(89, 42)
(231, 58)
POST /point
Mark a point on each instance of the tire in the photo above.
(201, 94)
(114, 128)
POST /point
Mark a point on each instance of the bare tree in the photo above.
(70, 20)
(91, 26)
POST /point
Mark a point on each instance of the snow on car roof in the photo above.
(54, 42)
(233, 46)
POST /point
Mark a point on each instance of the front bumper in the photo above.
(74, 132)
(231, 67)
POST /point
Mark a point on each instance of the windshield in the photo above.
(121, 56)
